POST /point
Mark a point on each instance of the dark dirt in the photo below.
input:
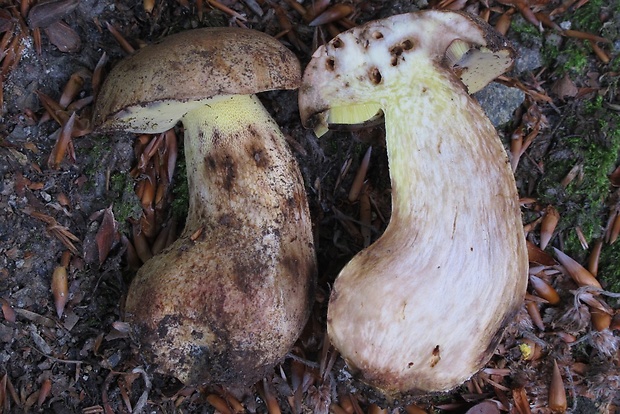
(92, 365)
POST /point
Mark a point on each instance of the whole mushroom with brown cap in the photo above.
(226, 306)
(423, 308)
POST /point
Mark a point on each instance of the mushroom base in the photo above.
(230, 297)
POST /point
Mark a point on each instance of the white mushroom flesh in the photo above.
(423, 308)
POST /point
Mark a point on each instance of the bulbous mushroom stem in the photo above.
(454, 232)
(228, 299)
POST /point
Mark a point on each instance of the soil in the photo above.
(84, 361)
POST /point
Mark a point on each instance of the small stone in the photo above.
(499, 102)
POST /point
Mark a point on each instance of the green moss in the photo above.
(126, 203)
(593, 145)
(587, 18)
(551, 50)
(574, 58)
(594, 105)
(526, 31)
(99, 150)
(609, 268)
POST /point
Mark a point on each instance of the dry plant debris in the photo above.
(65, 247)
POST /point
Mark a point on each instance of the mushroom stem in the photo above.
(251, 260)
(454, 226)
(227, 129)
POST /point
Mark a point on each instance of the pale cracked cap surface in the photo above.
(380, 51)
(152, 89)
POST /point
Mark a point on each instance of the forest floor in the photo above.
(72, 202)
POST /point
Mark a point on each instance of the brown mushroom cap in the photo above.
(151, 90)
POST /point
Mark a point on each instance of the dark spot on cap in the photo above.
(225, 220)
(375, 76)
(337, 43)
(197, 335)
(229, 173)
(330, 64)
(260, 158)
(396, 50)
(210, 163)
(377, 35)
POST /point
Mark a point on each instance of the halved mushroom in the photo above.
(423, 308)
(229, 298)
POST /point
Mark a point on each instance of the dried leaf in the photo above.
(516, 147)
(141, 244)
(7, 311)
(522, 404)
(594, 257)
(537, 255)
(72, 88)
(62, 143)
(360, 176)
(63, 37)
(60, 232)
(564, 88)
(557, 393)
(46, 13)
(315, 8)
(545, 19)
(44, 391)
(149, 5)
(614, 178)
(534, 312)
(544, 290)
(600, 320)
(547, 226)
(60, 289)
(586, 36)
(375, 409)
(97, 78)
(219, 404)
(578, 273)
(574, 172)
(615, 322)
(414, 409)
(35, 317)
(53, 108)
(227, 10)
(12, 56)
(615, 230)
(107, 234)
(334, 13)
(525, 10)
(6, 21)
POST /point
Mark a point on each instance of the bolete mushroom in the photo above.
(230, 297)
(423, 307)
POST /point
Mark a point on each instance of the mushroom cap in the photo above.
(152, 89)
(352, 68)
